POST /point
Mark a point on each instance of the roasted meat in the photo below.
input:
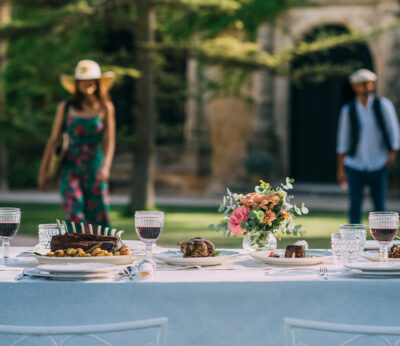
(197, 247)
(84, 241)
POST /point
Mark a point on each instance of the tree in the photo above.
(189, 28)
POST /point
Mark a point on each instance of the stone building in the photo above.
(292, 124)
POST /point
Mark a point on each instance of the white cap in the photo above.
(87, 69)
(361, 76)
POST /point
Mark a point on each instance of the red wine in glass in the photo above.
(149, 233)
(8, 229)
(383, 235)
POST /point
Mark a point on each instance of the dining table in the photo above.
(239, 303)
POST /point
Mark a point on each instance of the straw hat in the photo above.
(87, 70)
(361, 76)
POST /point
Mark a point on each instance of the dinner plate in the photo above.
(366, 274)
(320, 256)
(118, 260)
(374, 267)
(176, 258)
(374, 245)
(77, 268)
(65, 276)
(374, 257)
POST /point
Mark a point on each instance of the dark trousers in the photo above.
(377, 182)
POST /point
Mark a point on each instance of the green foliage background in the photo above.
(47, 38)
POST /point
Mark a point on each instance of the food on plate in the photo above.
(84, 242)
(95, 251)
(197, 247)
(394, 251)
(295, 251)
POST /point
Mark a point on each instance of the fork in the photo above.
(21, 275)
(323, 272)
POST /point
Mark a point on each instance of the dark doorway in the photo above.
(315, 108)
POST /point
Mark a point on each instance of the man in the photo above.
(368, 138)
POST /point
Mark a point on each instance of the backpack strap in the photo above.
(354, 128)
(381, 123)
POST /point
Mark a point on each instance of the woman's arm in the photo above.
(55, 134)
(108, 143)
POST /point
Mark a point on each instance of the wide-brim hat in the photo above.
(362, 75)
(88, 70)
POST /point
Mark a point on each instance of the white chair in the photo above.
(354, 333)
(85, 334)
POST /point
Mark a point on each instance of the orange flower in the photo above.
(285, 214)
(269, 217)
(274, 199)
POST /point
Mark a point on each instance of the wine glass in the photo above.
(383, 226)
(10, 219)
(149, 225)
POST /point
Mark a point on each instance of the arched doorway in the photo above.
(315, 107)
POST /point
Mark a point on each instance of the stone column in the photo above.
(264, 136)
(196, 129)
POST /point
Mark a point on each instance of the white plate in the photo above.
(176, 258)
(320, 256)
(77, 268)
(373, 256)
(64, 276)
(365, 274)
(118, 260)
(374, 267)
(374, 245)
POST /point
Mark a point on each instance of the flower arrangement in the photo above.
(260, 212)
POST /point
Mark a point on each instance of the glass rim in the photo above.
(148, 213)
(50, 225)
(353, 225)
(16, 210)
(383, 213)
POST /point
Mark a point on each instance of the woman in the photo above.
(90, 123)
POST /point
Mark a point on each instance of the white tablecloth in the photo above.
(205, 307)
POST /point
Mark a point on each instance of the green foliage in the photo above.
(47, 38)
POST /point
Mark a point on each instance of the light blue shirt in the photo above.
(371, 153)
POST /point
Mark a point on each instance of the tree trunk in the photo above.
(142, 196)
(5, 15)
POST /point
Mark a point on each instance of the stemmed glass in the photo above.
(149, 225)
(384, 226)
(10, 219)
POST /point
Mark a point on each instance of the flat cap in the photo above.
(361, 76)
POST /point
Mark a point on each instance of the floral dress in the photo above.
(85, 199)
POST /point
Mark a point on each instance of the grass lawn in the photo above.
(182, 223)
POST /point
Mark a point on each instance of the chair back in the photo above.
(339, 334)
(123, 333)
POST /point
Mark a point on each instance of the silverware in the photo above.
(129, 271)
(323, 272)
(21, 275)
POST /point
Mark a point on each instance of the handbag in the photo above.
(59, 149)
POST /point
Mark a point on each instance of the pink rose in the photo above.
(239, 215)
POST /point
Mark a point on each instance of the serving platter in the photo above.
(370, 274)
(118, 260)
(320, 257)
(374, 267)
(374, 257)
(374, 245)
(176, 258)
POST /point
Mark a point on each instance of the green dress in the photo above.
(85, 198)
